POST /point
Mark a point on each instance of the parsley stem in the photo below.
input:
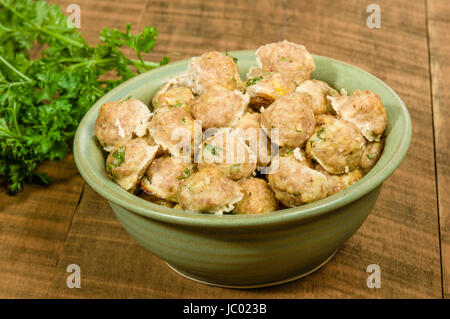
(60, 37)
(11, 84)
(90, 63)
(136, 63)
(6, 132)
(15, 110)
(9, 65)
(151, 64)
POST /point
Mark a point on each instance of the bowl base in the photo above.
(268, 284)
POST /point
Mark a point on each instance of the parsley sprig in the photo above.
(42, 100)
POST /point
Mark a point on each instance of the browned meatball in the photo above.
(178, 81)
(365, 110)
(371, 156)
(126, 164)
(250, 120)
(258, 198)
(173, 129)
(337, 145)
(227, 151)
(255, 137)
(294, 183)
(337, 183)
(177, 97)
(151, 141)
(290, 59)
(164, 175)
(209, 191)
(213, 68)
(319, 91)
(267, 87)
(297, 153)
(218, 107)
(118, 121)
(156, 200)
(293, 116)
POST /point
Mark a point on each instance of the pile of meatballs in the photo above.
(325, 140)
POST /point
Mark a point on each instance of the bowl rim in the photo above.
(139, 206)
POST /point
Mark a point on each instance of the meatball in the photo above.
(176, 97)
(258, 198)
(156, 200)
(227, 151)
(173, 129)
(118, 121)
(164, 175)
(297, 153)
(337, 145)
(255, 137)
(365, 110)
(290, 59)
(219, 107)
(325, 119)
(250, 120)
(371, 156)
(293, 116)
(209, 191)
(319, 91)
(294, 183)
(337, 183)
(213, 68)
(178, 81)
(266, 88)
(151, 141)
(126, 164)
(253, 72)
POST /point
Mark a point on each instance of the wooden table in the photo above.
(44, 229)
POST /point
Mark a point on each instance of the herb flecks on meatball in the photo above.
(365, 110)
(293, 116)
(258, 197)
(218, 107)
(126, 164)
(214, 68)
(209, 191)
(337, 145)
(267, 87)
(290, 59)
(164, 175)
(118, 121)
(295, 183)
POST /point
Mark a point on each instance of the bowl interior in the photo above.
(90, 161)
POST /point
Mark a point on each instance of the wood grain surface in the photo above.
(439, 48)
(44, 229)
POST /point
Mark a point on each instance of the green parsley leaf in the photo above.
(235, 168)
(119, 156)
(320, 132)
(43, 99)
(186, 174)
(254, 80)
(212, 148)
(234, 58)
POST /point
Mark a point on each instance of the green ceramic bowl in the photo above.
(247, 250)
